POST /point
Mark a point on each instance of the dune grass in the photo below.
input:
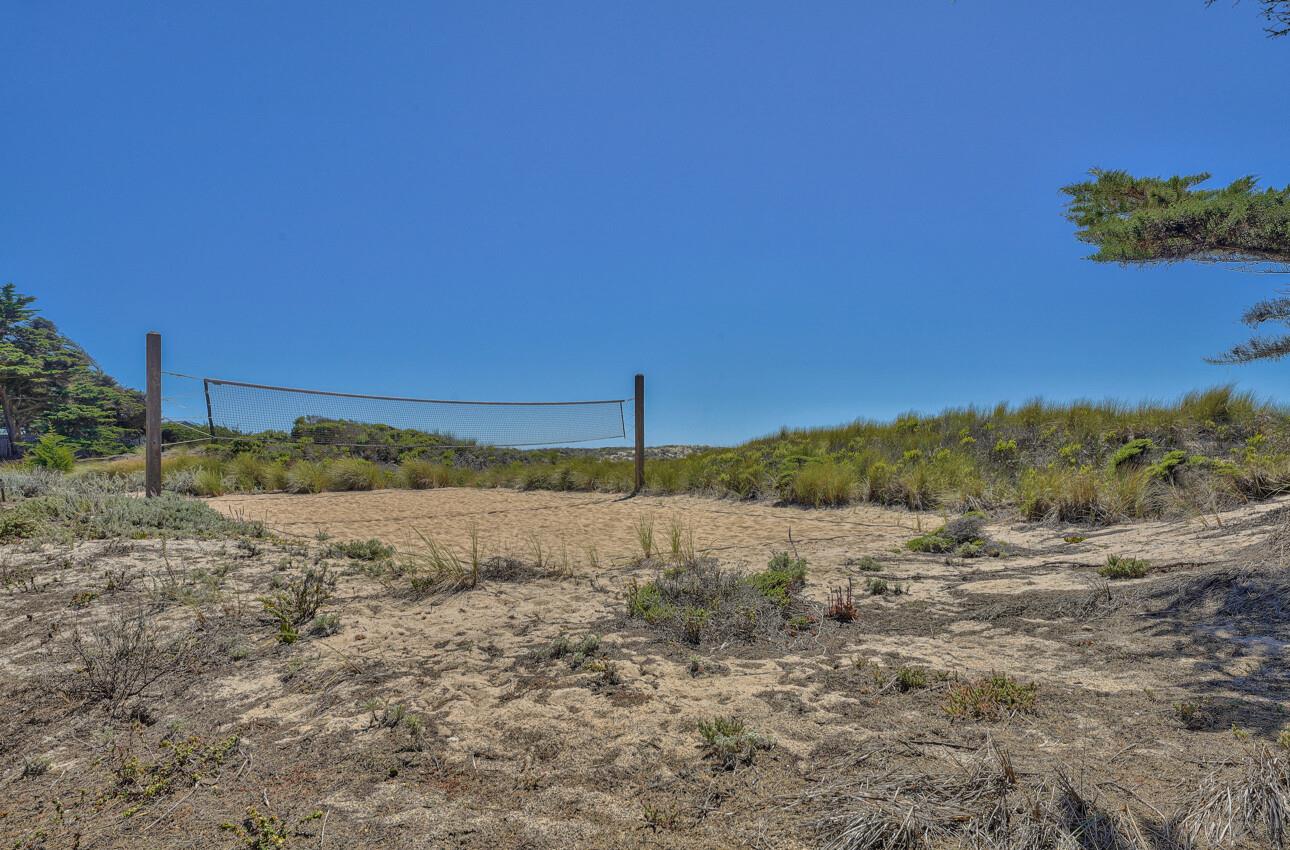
(1084, 462)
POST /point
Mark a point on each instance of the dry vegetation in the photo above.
(176, 676)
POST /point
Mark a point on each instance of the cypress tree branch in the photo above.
(1258, 348)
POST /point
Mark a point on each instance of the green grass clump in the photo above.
(996, 696)
(782, 576)
(822, 483)
(1120, 566)
(305, 476)
(352, 473)
(729, 742)
(422, 474)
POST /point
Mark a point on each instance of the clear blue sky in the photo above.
(783, 213)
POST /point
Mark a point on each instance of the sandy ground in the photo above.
(524, 751)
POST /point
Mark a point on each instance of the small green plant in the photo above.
(932, 544)
(325, 625)
(997, 695)
(52, 452)
(658, 818)
(645, 536)
(182, 763)
(35, 766)
(867, 564)
(360, 550)
(910, 679)
(882, 587)
(1120, 566)
(729, 742)
(298, 602)
(267, 832)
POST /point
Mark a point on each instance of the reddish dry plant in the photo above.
(841, 607)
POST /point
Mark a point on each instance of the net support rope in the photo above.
(236, 409)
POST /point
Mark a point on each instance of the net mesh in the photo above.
(240, 409)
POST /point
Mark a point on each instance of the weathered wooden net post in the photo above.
(152, 418)
(640, 433)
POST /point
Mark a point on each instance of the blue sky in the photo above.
(784, 214)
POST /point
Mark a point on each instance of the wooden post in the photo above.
(640, 434)
(152, 418)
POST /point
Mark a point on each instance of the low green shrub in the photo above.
(1119, 566)
(1132, 452)
(783, 575)
(729, 742)
(360, 550)
(996, 696)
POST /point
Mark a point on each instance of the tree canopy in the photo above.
(1151, 219)
(50, 385)
(1275, 12)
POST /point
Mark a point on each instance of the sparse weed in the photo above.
(645, 536)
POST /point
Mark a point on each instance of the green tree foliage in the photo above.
(49, 385)
(1151, 220)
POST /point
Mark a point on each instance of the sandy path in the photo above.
(509, 521)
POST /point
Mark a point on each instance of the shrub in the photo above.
(99, 516)
(991, 698)
(123, 660)
(52, 452)
(934, 543)
(729, 742)
(783, 575)
(645, 602)
(360, 550)
(1132, 452)
(17, 524)
(698, 601)
(1167, 467)
(1119, 566)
